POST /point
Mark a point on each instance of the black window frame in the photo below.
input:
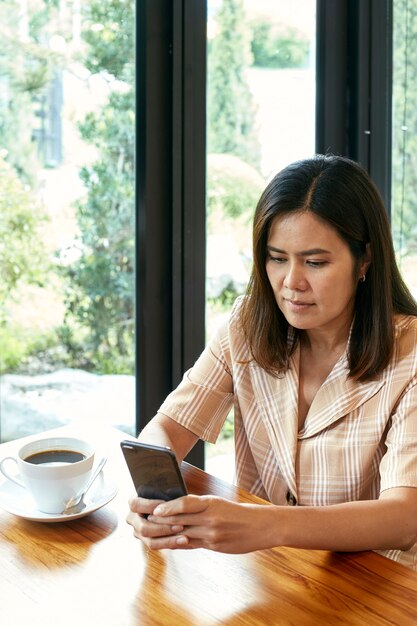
(354, 84)
(170, 198)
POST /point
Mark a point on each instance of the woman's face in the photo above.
(312, 273)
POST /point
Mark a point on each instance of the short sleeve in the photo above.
(398, 466)
(203, 399)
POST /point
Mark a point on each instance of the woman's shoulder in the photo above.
(405, 337)
(228, 324)
(237, 309)
(230, 331)
(405, 324)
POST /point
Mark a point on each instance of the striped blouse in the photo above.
(358, 439)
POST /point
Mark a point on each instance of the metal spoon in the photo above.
(77, 504)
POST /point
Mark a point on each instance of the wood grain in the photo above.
(93, 571)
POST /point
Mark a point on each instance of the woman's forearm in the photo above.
(387, 523)
(163, 431)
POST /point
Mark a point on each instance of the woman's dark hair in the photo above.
(341, 193)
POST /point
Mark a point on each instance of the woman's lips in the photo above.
(298, 305)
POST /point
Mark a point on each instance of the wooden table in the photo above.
(93, 571)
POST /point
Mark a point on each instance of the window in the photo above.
(67, 137)
(404, 149)
(260, 117)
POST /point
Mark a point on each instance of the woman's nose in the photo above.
(294, 278)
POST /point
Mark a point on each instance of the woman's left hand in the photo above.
(206, 522)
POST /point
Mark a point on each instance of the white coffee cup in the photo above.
(52, 470)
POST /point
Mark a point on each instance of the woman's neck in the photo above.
(324, 343)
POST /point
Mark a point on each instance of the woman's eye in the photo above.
(316, 263)
(276, 259)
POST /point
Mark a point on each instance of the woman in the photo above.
(320, 361)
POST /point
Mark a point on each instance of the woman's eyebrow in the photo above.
(302, 252)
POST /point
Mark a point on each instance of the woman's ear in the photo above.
(366, 261)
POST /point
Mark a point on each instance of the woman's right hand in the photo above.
(144, 530)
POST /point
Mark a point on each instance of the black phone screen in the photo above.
(154, 470)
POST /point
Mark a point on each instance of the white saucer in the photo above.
(16, 500)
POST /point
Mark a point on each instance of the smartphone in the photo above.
(154, 470)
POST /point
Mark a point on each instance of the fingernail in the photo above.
(158, 511)
(177, 528)
(182, 541)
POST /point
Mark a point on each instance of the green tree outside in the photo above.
(22, 257)
(100, 292)
(231, 108)
(277, 47)
(26, 65)
(404, 152)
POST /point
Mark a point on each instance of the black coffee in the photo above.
(55, 456)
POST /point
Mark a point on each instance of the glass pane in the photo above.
(66, 214)
(404, 157)
(260, 117)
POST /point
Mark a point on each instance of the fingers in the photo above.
(174, 542)
(144, 529)
(143, 506)
(161, 525)
(186, 505)
(154, 535)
